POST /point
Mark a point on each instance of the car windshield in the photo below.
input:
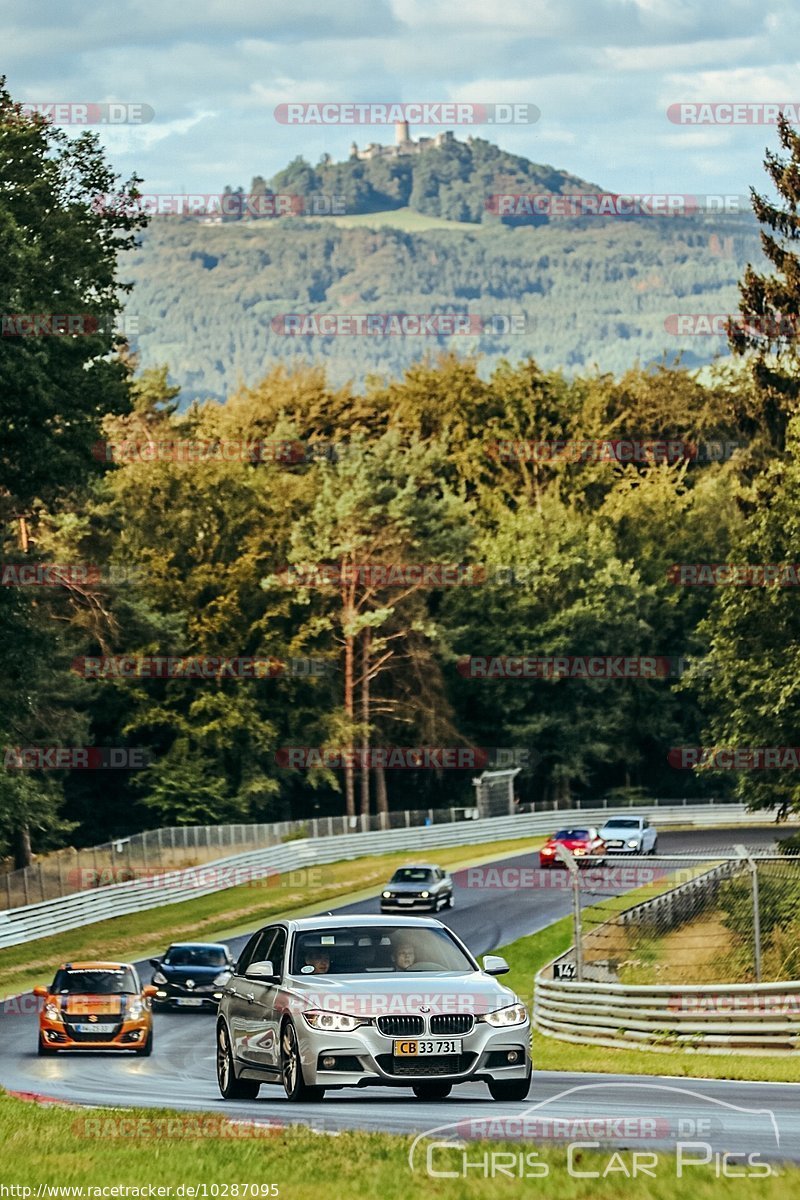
(565, 835)
(623, 823)
(412, 875)
(195, 956)
(376, 951)
(73, 981)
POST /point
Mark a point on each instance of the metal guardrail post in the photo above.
(752, 867)
(568, 858)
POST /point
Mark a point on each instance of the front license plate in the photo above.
(194, 1002)
(404, 900)
(418, 1047)
(95, 1028)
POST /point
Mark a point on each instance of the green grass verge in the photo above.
(62, 1147)
(227, 913)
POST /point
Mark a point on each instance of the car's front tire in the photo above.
(435, 1090)
(510, 1089)
(43, 1049)
(229, 1086)
(295, 1086)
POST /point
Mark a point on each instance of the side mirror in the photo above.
(495, 964)
(261, 970)
(155, 962)
(149, 991)
(40, 991)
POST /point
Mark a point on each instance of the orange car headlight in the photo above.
(134, 1010)
(53, 1012)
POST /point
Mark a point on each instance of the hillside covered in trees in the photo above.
(591, 292)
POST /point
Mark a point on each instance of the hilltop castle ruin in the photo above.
(403, 145)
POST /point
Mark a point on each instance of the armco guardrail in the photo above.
(724, 1018)
(99, 904)
(755, 1018)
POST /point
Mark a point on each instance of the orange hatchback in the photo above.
(96, 1006)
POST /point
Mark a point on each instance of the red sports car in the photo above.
(584, 843)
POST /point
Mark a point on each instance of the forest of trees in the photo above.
(203, 553)
(594, 292)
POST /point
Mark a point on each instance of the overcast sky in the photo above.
(602, 72)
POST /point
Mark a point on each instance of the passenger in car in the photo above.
(404, 955)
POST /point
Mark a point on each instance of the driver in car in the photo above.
(319, 958)
(404, 955)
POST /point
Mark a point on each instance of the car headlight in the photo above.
(159, 977)
(387, 895)
(334, 1022)
(222, 978)
(424, 895)
(52, 1012)
(515, 1014)
(134, 1010)
(633, 843)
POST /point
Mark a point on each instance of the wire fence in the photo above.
(62, 872)
(686, 920)
(156, 851)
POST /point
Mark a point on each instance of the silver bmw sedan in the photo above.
(332, 1002)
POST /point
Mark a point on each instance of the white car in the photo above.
(629, 835)
(352, 1001)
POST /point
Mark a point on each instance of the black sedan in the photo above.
(191, 975)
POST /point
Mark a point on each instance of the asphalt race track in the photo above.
(760, 1118)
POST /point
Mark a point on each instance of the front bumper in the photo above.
(170, 995)
(364, 1057)
(429, 904)
(62, 1036)
(549, 860)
